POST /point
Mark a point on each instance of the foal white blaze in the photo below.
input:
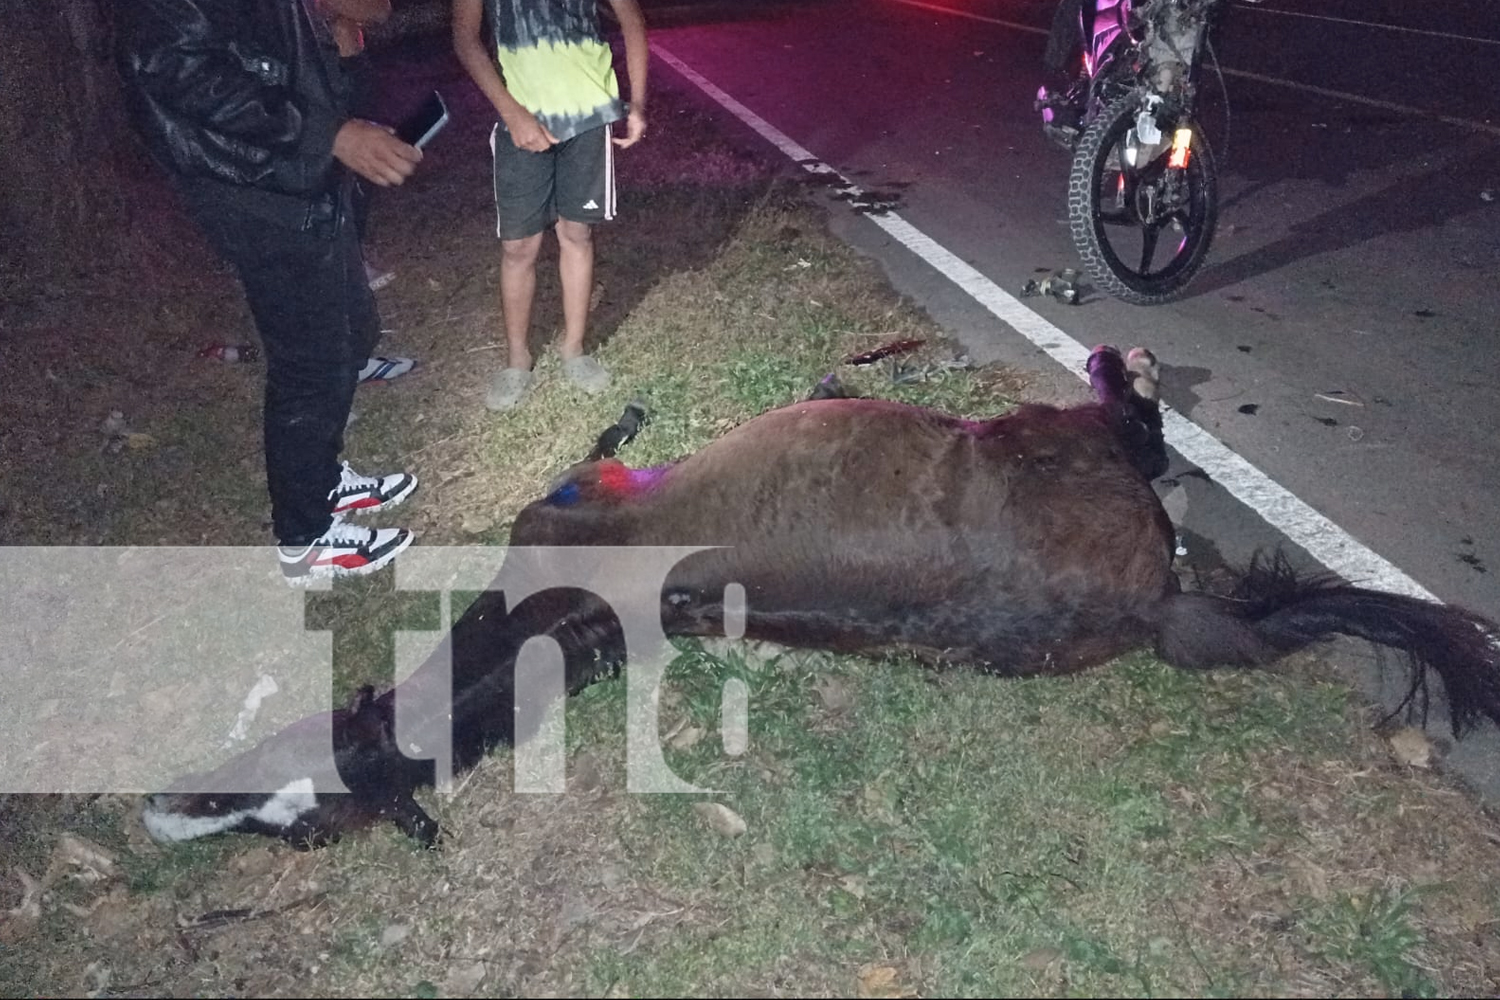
(281, 808)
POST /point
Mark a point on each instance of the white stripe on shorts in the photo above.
(609, 172)
(494, 193)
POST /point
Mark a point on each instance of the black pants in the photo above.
(361, 76)
(318, 323)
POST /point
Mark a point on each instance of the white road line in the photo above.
(1373, 102)
(1324, 540)
(976, 17)
(1369, 24)
(1341, 95)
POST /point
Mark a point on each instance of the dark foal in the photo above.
(1029, 543)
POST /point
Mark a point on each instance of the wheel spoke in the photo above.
(1148, 247)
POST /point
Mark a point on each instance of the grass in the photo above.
(1134, 831)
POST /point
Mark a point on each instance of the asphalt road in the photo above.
(1341, 338)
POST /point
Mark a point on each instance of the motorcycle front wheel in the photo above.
(1142, 230)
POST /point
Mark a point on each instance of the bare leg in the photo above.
(517, 289)
(575, 263)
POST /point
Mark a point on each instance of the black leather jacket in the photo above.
(240, 92)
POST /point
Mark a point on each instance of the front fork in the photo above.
(1155, 190)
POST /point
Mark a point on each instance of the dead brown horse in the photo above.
(1031, 543)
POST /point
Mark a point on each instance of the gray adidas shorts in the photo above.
(575, 180)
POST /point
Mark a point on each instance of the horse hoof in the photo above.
(1145, 371)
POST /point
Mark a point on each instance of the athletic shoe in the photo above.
(377, 278)
(385, 369)
(356, 494)
(343, 550)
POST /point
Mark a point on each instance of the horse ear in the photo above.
(369, 719)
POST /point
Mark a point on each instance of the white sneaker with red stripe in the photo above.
(343, 550)
(356, 494)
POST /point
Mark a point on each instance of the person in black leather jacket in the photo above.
(243, 103)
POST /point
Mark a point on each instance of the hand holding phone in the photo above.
(371, 151)
(427, 121)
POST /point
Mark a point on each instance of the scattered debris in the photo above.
(119, 436)
(21, 920)
(231, 352)
(906, 374)
(588, 773)
(1355, 433)
(475, 523)
(1472, 561)
(110, 917)
(1337, 396)
(463, 978)
(1249, 409)
(1039, 959)
(1062, 286)
(80, 859)
(884, 351)
(1487, 195)
(720, 818)
(96, 976)
(1411, 747)
(264, 688)
(1424, 313)
(215, 919)
(854, 885)
(881, 981)
(834, 693)
(689, 736)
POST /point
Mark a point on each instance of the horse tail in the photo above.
(1275, 612)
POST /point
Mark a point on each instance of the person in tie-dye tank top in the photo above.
(551, 79)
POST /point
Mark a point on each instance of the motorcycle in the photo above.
(1142, 168)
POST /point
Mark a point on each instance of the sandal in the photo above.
(586, 373)
(508, 388)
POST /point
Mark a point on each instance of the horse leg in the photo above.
(1127, 388)
(621, 433)
(1144, 372)
(1107, 376)
(1151, 451)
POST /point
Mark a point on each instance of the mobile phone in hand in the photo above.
(419, 128)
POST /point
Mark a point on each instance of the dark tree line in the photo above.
(70, 165)
(64, 144)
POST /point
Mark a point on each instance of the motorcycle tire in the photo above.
(1086, 213)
